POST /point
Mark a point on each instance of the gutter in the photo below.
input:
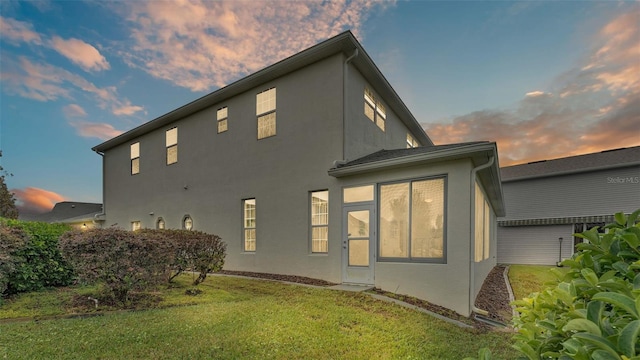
(96, 217)
(472, 223)
(345, 88)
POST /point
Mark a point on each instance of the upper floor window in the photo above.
(266, 112)
(320, 221)
(135, 158)
(249, 224)
(374, 109)
(222, 115)
(172, 146)
(411, 142)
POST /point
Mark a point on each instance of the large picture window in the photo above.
(412, 220)
(249, 224)
(266, 112)
(320, 221)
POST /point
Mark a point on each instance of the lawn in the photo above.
(239, 318)
(526, 279)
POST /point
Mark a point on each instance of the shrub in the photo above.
(192, 250)
(121, 260)
(11, 240)
(37, 262)
(593, 312)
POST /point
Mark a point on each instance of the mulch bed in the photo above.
(494, 296)
(279, 277)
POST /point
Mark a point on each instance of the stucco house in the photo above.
(550, 200)
(315, 167)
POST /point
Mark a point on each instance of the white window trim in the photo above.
(317, 226)
(135, 155)
(245, 227)
(170, 143)
(222, 116)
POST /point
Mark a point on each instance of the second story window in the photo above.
(266, 113)
(374, 109)
(135, 158)
(222, 115)
(411, 142)
(172, 146)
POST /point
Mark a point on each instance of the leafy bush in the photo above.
(193, 250)
(121, 260)
(11, 240)
(37, 262)
(593, 312)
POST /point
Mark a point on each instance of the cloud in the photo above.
(203, 44)
(18, 32)
(74, 110)
(80, 53)
(33, 200)
(45, 82)
(598, 106)
(101, 131)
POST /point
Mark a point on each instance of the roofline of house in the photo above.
(343, 43)
(479, 153)
(574, 171)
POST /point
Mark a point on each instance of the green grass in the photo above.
(526, 279)
(240, 318)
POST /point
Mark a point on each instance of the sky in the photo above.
(542, 79)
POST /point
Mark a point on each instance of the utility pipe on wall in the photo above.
(344, 103)
(472, 222)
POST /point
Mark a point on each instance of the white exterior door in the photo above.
(358, 244)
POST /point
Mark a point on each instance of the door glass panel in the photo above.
(359, 252)
(358, 223)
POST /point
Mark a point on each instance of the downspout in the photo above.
(344, 107)
(472, 222)
(95, 217)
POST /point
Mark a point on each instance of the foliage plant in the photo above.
(593, 311)
(120, 260)
(192, 250)
(8, 207)
(34, 261)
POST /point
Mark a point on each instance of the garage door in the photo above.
(535, 245)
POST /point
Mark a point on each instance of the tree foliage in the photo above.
(8, 207)
(593, 312)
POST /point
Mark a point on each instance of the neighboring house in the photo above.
(79, 215)
(553, 199)
(294, 167)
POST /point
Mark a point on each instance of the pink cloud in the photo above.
(74, 110)
(18, 31)
(80, 53)
(200, 45)
(101, 131)
(33, 200)
(598, 107)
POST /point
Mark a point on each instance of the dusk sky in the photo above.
(542, 79)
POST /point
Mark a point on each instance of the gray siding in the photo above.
(592, 193)
(364, 136)
(215, 172)
(534, 245)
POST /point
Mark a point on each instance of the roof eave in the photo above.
(410, 160)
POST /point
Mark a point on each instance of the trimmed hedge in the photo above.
(125, 260)
(29, 256)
